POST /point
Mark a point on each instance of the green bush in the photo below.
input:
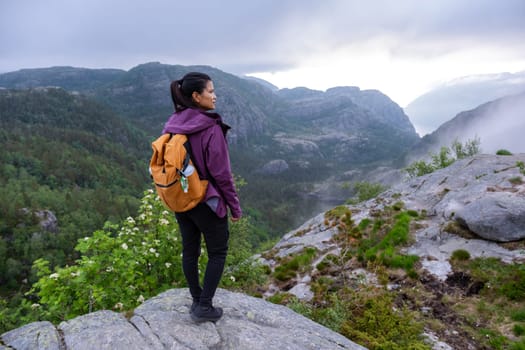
(124, 264)
(503, 152)
(443, 159)
(375, 323)
(518, 330)
(518, 315)
(460, 254)
(521, 167)
(288, 269)
(365, 191)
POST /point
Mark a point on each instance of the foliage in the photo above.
(368, 317)
(365, 191)
(68, 155)
(289, 268)
(444, 158)
(503, 152)
(383, 250)
(521, 167)
(460, 254)
(122, 265)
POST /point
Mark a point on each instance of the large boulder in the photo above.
(497, 217)
(163, 322)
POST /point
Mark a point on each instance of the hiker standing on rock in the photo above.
(193, 97)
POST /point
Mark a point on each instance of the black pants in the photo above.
(192, 223)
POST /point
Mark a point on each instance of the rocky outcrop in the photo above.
(484, 194)
(274, 167)
(163, 322)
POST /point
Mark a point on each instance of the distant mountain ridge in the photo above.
(498, 125)
(314, 135)
(253, 109)
(430, 110)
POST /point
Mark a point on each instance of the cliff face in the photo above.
(164, 322)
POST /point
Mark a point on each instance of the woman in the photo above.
(193, 96)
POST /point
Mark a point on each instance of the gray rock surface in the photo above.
(274, 167)
(497, 217)
(163, 322)
(474, 192)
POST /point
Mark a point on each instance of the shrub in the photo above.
(460, 254)
(366, 190)
(375, 323)
(503, 152)
(288, 270)
(518, 315)
(521, 167)
(518, 330)
(443, 159)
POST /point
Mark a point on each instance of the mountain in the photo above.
(69, 78)
(498, 125)
(314, 135)
(437, 106)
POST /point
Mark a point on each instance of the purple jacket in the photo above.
(207, 135)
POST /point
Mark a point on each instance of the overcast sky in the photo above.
(400, 47)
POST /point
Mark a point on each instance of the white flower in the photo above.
(152, 250)
(232, 278)
(109, 268)
(130, 220)
(118, 306)
(157, 255)
(35, 306)
(163, 222)
(150, 191)
(168, 265)
(53, 276)
(75, 274)
(86, 238)
(142, 217)
(124, 246)
(140, 299)
(165, 212)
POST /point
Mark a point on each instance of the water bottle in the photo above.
(184, 183)
(189, 170)
(184, 177)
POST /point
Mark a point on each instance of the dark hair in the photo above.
(182, 89)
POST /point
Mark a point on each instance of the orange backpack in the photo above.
(176, 180)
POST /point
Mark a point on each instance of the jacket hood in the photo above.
(190, 121)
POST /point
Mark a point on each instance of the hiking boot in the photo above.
(193, 306)
(206, 313)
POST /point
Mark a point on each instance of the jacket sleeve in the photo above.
(219, 168)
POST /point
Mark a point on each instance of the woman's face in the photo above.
(206, 99)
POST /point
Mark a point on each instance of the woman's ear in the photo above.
(196, 96)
